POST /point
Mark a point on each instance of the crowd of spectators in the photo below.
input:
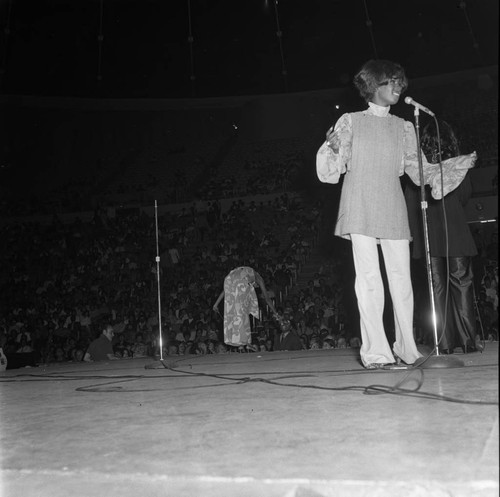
(64, 281)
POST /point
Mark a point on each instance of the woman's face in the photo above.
(388, 92)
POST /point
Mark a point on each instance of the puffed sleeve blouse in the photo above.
(330, 165)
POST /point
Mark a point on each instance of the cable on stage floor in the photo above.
(237, 379)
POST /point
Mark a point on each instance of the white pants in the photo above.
(370, 294)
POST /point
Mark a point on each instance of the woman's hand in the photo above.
(333, 140)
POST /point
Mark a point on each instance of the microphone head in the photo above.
(408, 100)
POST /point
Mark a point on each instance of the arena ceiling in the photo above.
(141, 48)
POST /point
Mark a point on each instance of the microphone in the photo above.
(410, 101)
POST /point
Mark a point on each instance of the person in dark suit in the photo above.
(288, 338)
(451, 247)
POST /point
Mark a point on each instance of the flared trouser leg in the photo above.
(397, 264)
(369, 289)
(439, 277)
(460, 328)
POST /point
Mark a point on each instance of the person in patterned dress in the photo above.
(240, 301)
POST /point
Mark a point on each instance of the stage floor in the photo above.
(294, 424)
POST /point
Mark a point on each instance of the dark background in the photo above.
(51, 47)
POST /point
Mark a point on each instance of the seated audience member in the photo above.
(287, 339)
(252, 347)
(314, 343)
(139, 348)
(77, 355)
(101, 349)
(211, 347)
(59, 355)
(212, 332)
(172, 349)
(221, 348)
(191, 347)
(328, 342)
(24, 347)
(201, 348)
(122, 348)
(10, 344)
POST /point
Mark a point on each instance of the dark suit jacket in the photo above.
(290, 342)
(460, 239)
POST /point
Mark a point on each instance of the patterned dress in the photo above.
(240, 300)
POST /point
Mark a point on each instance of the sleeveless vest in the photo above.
(372, 202)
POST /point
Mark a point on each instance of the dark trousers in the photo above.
(460, 327)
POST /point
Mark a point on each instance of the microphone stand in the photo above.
(438, 360)
(158, 364)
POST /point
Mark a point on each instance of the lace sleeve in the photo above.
(454, 169)
(330, 165)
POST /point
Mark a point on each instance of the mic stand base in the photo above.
(438, 362)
